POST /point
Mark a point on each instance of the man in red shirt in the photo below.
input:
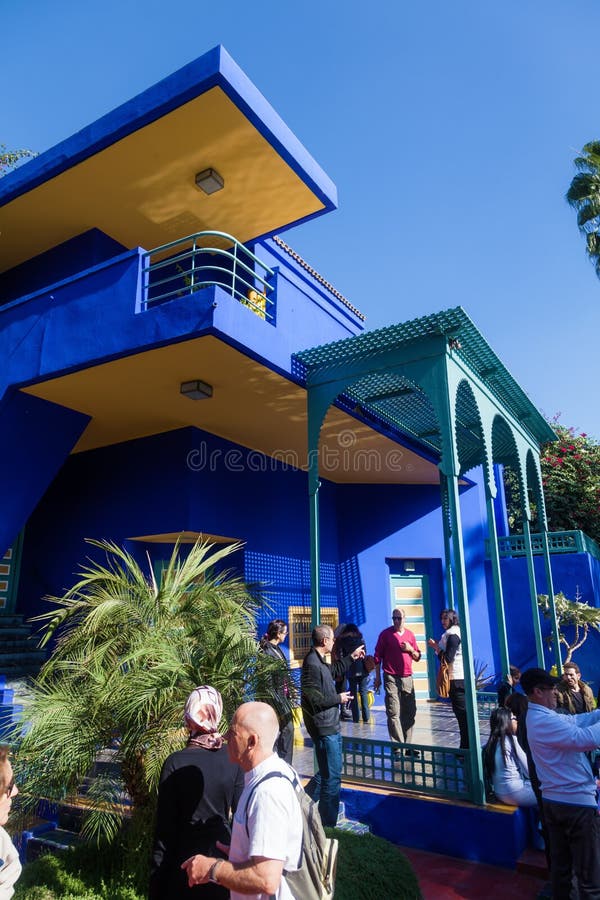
(396, 650)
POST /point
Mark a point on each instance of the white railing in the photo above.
(205, 259)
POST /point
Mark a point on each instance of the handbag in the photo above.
(442, 682)
(370, 664)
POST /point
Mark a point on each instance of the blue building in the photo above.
(173, 369)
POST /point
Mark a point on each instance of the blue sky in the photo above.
(449, 130)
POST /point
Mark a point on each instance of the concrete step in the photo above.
(17, 665)
(30, 653)
(10, 620)
(10, 632)
(17, 645)
(352, 825)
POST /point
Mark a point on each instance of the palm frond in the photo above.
(127, 652)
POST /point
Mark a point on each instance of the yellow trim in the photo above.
(251, 405)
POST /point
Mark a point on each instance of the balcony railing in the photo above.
(558, 542)
(204, 259)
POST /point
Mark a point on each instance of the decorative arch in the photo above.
(534, 484)
(468, 427)
(505, 451)
(388, 401)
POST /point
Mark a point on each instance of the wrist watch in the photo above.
(212, 873)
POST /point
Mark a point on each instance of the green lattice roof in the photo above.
(399, 404)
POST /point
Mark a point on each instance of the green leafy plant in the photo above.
(578, 617)
(85, 874)
(9, 159)
(128, 652)
(571, 481)
(482, 681)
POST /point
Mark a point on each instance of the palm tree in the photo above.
(128, 652)
(584, 196)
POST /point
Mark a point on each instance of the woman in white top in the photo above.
(449, 646)
(505, 761)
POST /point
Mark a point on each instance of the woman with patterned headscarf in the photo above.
(198, 792)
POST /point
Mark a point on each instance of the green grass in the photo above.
(369, 868)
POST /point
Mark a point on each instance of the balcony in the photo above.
(205, 259)
(558, 542)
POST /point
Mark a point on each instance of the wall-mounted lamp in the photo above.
(409, 565)
(196, 390)
(209, 181)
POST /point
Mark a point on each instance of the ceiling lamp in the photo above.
(196, 390)
(209, 181)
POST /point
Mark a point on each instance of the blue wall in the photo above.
(569, 571)
(192, 480)
(382, 525)
(492, 834)
(155, 485)
(79, 253)
(84, 319)
(37, 438)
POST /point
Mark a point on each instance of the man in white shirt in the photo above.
(558, 744)
(266, 838)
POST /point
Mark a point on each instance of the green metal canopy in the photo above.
(437, 382)
(397, 403)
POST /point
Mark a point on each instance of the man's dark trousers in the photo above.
(574, 833)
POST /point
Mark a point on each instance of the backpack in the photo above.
(315, 876)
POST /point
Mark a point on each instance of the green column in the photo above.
(447, 538)
(497, 577)
(315, 552)
(550, 584)
(535, 612)
(477, 787)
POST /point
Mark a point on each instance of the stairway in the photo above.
(60, 823)
(19, 655)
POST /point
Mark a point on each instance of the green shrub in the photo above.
(369, 868)
(84, 873)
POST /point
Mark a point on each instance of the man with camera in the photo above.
(321, 712)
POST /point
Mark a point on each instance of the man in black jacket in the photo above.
(321, 711)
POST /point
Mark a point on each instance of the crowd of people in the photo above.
(228, 820)
(540, 755)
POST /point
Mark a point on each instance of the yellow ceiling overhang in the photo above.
(185, 537)
(141, 189)
(139, 395)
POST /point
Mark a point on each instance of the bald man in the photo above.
(396, 650)
(267, 827)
